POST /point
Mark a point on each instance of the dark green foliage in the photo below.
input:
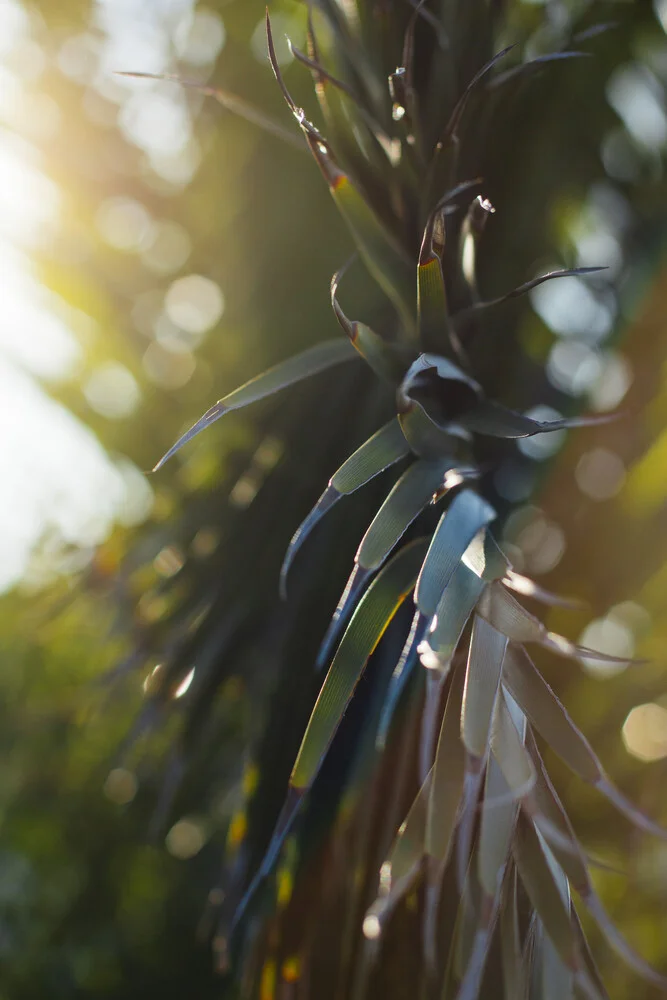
(403, 833)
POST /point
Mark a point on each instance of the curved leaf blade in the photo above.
(544, 891)
(493, 420)
(366, 628)
(379, 250)
(570, 272)
(447, 781)
(482, 682)
(551, 719)
(453, 612)
(385, 448)
(310, 362)
(466, 515)
(480, 692)
(416, 489)
(377, 354)
(400, 677)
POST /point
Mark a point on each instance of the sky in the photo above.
(57, 484)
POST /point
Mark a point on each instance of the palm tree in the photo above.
(399, 828)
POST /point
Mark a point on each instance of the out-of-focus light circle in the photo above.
(194, 303)
(645, 732)
(535, 538)
(205, 542)
(632, 615)
(169, 561)
(124, 223)
(542, 446)
(121, 786)
(137, 496)
(569, 308)
(156, 122)
(177, 168)
(14, 24)
(29, 200)
(636, 96)
(185, 839)
(112, 391)
(166, 369)
(40, 116)
(612, 383)
(199, 37)
(573, 366)
(78, 57)
(596, 246)
(174, 338)
(600, 474)
(620, 157)
(169, 250)
(611, 636)
(146, 308)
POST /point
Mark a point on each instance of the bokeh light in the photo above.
(645, 732)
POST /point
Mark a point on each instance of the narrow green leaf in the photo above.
(368, 624)
(469, 918)
(309, 362)
(379, 250)
(447, 782)
(544, 891)
(432, 310)
(376, 353)
(572, 860)
(552, 721)
(442, 812)
(409, 846)
(510, 941)
(481, 945)
(527, 68)
(453, 612)
(496, 831)
(557, 978)
(400, 677)
(507, 747)
(415, 490)
(494, 420)
(589, 961)
(570, 272)
(466, 515)
(482, 682)
(485, 557)
(403, 866)
(348, 599)
(443, 168)
(528, 588)
(457, 114)
(499, 811)
(505, 613)
(386, 447)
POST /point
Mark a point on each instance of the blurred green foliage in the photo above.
(92, 903)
